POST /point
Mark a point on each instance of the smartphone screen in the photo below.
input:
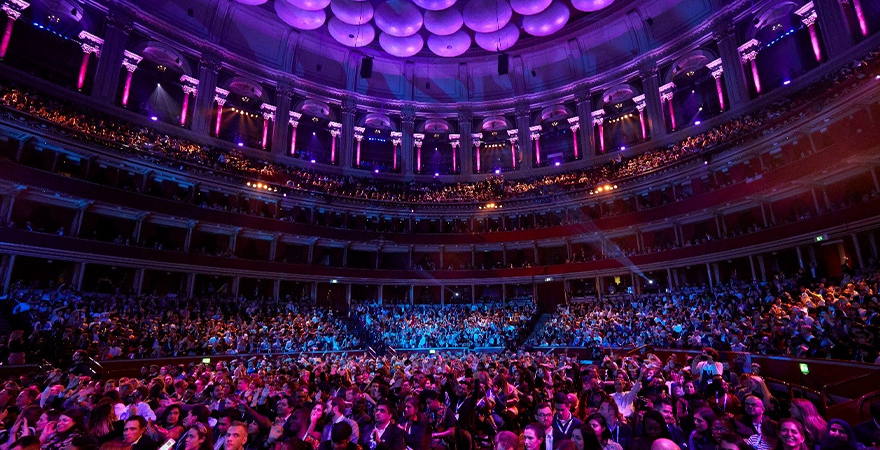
(167, 445)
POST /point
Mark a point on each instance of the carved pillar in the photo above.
(667, 93)
(220, 98)
(347, 136)
(535, 135)
(268, 112)
(641, 105)
(119, 24)
(335, 132)
(523, 122)
(294, 122)
(204, 104)
(598, 121)
(407, 115)
(575, 126)
(13, 9)
(358, 136)
(455, 141)
(717, 69)
(190, 89)
(749, 52)
(396, 139)
(514, 144)
(130, 62)
(90, 44)
(418, 139)
(476, 141)
(809, 17)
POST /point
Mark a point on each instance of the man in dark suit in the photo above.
(664, 407)
(552, 436)
(383, 434)
(134, 432)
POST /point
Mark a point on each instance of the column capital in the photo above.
(808, 14)
(349, 105)
(284, 88)
(335, 128)
(211, 62)
(749, 50)
(535, 131)
(268, 111)
(598, 116)
(667, 91)
(512, 135)
(476, 139)
(220, 95)
(650, 70)
(14, 8)
(130, 60)
(90, 43)
(574, 123)
(418, 138)
(522, 109)
(122, 18)
(640, 102)
(716, 68)
(465, 115)
(408, 113)
(294, 118)
(581, 94)
(189, 84)
(359, 132)
(397, 137)
(724, 28)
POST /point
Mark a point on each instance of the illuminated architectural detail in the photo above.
(396, 140)
(512, 137)
(454, 140)
(717, 69)
(268, 115)
(335, 132)
(418, 138)
(641, 104)
(220, 95)
(358, 136)
(476, 141)
(294, 122)
(130, 62)
(808, 18)
(90, 44)
(748, 52)
(190, 87)
(574, 124)
(667, 93)
(860, 15)
(598, 119)
(535, 135)
(13, 9)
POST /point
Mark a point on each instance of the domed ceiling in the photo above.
(445, 28)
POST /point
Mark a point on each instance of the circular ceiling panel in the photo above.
(401, 46)
(298, 17)
(352, 12)
(351, 35)
(498, 41)
(443, 22)
(529, 7)
(487, 16)
(398, 18)
(252, 2)
(449, 46)
(547, 22)
(590, 5)
(309, 5)
(437, 126)
(434, 5)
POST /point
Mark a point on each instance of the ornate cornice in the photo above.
(14, 8)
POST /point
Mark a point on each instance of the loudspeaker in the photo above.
(366, 67)
(503, 64)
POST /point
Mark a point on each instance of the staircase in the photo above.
(537, 324)
(355, 328)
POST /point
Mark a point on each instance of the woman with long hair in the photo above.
(701, 437)
(58, 435)
(654, 426)
(806, 413)
(792, 435)
(599, 426)
(198, 437)
(103, 423)
(170, 424)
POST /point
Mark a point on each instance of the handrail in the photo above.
(791, 388)
(827, 387)
(860, 402)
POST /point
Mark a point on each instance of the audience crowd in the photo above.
(427, 326)
(114, 326)
(797, 315)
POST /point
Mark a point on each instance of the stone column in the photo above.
(465, 151)
(335, 132)
(584, 109)
(535, 135)
(651, 83)
(575, 126)
(6, 273)
(396, 140)
(523, 122)
(282, 118)
(598, 120)
(90, 44)
(717, 69)
(190, 89)
(407, 116)
(348, 113)
(731, 63)
(640, 106)
(268, 117)
(476, 141)
(358, 136)
(833, 26)
(418, 139)
(808, 18)
(13, 9)
(512, 137)
(749, 52)
(204, 105)
(294, 122)
(667, 93)
(119, 24)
